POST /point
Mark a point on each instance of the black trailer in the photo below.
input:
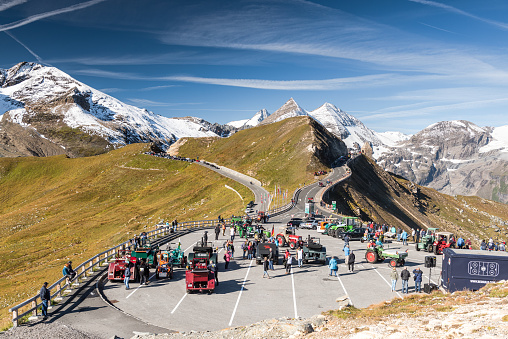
(472, 269)
(263, 251)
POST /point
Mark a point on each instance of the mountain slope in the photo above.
(58, 208)
(76, 118)
(289, 110)
(252, 122)
(285, 153)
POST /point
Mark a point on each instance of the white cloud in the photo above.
(39, 59)
(41, 16)
(6, 4)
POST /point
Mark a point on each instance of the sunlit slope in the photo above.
(56, 208)
(286, 153)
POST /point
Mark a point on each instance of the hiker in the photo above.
(68, 272)
(299, 254)
(217, 231)
(265, 268)
(394, 276)
(45, 297)
(404, 276)
(127, 275)
(351, 261)
(418, 276)
(333, 266)
(144, 272)
(289, 261)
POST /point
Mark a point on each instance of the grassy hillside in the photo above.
(382, 197)
(58, 208)
(286, 153)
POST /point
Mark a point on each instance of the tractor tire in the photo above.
(416, 247)
(429, 248)
(362, 240)
(402, 262)
(436, 250)
(281, 241)
(393, 263)
(292, 245)
(371, 256)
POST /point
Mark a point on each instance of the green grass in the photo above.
(56, 208)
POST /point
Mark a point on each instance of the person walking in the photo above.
(299, 255)
(127, 275)
(144, 272)
(418, 279)
(404, 276)
(45, 297)
(265, 268)
(289, 262)
(394, 276)
(286, 256)
(351, 261)
(217, 231)
(333, 266)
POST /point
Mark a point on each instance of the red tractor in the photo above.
(287, 237)
(443, 240)
(116, 269)
(199, 276)
(262, 217)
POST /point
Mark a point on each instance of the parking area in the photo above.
(244, 296)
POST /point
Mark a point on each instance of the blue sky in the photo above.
(397, 65)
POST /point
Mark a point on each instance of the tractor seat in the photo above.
(315, 246)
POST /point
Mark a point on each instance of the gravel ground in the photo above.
(42, 330)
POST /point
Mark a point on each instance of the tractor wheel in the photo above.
(416, 247)
(393, 263)
(436, 250)
(402, 262)
(429, 248)
(292, 245)
(362, 240)
(371, 256)
(281, 241)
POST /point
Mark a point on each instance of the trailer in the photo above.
(472, 269)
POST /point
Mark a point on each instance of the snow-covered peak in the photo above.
(499, 140)
(257, 118)
(289, 110)
(237, 123)
(392, 139)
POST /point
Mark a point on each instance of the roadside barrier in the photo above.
(87, 268)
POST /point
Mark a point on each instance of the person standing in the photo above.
(418, 279)
(217, 231)
(265, 268)
(346, 240)
(289, 261)
(232, 232)
(270, 259)
(403, 237)
(205, 238)
(45, 297)
(127, 275)
(223, 229)
(249, 250)
(346, 254)
(351, 262)
(227, 259)
(404, 276)
(299, 254)
(144, 273)
(394, 276)
(333, 266)
(213, 268)
(413, 233)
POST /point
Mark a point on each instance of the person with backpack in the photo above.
(334, 267)
(404, 276)
(418, 276)
(351, 261)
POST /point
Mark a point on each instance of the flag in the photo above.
(273, 231)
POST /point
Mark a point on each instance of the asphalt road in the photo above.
(244, 297)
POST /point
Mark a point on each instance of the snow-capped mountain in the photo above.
(288, 110)
(252, 122)
(53, 104)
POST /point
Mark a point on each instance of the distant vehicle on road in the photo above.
(294, 222)
(355, 234)
(310, 224)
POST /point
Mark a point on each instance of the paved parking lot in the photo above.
(244, 297)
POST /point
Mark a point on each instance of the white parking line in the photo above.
(294, 295)
(138, 287)
(239, 295)
(375, 269)
(174, 309)
(343, 288)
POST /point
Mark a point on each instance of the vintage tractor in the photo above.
(443, 240)
(250, 231)
(378, 254)
(261, 233)
(164, 265)
(262, 217)
(198, 276)
(287, 237)
(264, 250)
(146, 251)
(426, 243)
(116, 269)
(177, 256)
(313, 250)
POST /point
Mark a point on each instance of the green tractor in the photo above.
(379, 254)
(426, 242)
(145, 251)
(313, 250)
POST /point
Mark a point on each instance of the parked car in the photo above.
(355, 234)
(310, 224)
(294, 222)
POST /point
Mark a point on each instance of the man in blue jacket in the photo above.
(418, 279)
(45, 297)
(333, 266)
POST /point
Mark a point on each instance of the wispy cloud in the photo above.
(41, 16)
(439, 29)
(6, 4)
(452, 9)
(25, 46)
